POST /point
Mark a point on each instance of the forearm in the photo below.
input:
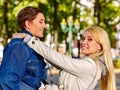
(48, 53)
(64, 62)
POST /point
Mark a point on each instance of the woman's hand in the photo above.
(19, 35)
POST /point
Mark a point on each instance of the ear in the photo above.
(100, 47)
(27, 24)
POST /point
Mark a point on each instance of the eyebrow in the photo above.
(42, 19)
(88, 36)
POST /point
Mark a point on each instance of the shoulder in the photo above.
(16, 41)
(89, 63)
(15, 44)
(17, 47)
(88, 59)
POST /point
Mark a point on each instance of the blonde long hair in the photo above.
(106, 82)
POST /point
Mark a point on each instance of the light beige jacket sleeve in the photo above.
(76, 67)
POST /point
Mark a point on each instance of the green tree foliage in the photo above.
(109, 18)
(103, 13)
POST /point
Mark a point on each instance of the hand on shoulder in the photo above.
(19, 35)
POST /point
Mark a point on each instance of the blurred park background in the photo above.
(65, 20)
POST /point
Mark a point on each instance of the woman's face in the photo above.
(89, 45)
(37, 26)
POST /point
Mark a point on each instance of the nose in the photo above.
(83, 41)
(44, 25)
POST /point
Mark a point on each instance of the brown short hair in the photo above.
(28, 13)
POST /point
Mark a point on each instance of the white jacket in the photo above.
(80, 74)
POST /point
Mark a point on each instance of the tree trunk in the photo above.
(5, 24)
(74, 10)
(55, 24)
(97, 9)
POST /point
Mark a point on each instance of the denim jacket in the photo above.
(21, 64)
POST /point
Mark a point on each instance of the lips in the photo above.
(41, 31)
(84, 47)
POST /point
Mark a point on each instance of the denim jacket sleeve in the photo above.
(14, 62)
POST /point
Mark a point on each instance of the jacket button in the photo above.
(33, 42)
(36, 38)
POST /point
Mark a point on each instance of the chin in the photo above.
(84, 52)
(40, 36)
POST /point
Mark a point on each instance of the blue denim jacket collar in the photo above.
(25, 31)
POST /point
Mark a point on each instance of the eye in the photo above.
(90, 39)
(40, 22)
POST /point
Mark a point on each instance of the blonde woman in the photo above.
(86, 72)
